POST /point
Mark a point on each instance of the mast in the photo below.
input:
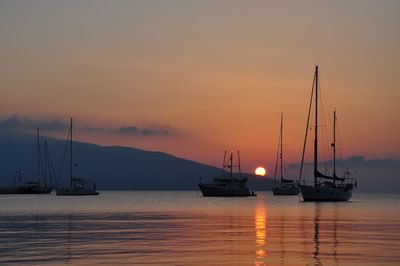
(316, 128)
(70, 146)
(334, 146)
(280, 141)
(50, 173)
(231, 165)
(306, 134)
(240, 172)
(38, 156)
(45, 167)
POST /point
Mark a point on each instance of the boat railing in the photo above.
(344, 182)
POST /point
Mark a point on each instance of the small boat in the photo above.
(44, 171)
(11, 190)
(324, 188)
(76, 186)
(227, 185)
(33, 187)
(16, 188)
(287, 187)
(38, 184)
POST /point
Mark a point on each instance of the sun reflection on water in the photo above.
(260, 221)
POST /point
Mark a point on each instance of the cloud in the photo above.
(25, 124)
(17, 123)
(155, 131)
(158, 131)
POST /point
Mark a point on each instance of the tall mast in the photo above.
(316, 128)
(38, 156)
(306, 133)
(70, 147)
(280, 141)
(334, 146)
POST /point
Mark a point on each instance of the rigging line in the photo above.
(308, 123)
(339, 143)
(47, 164)
(80, 164)
(34, 168)
(240, 171)
(325, 139)
(41, 166)
(63, 158)
(323, 129)
(281, 141)
(51, 165)
(334, 144)
(286, 164)
(78, 154)
(276, 160)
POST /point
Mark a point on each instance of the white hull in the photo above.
(320, 193)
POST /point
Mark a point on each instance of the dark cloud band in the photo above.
(150, 131)
(21, 124)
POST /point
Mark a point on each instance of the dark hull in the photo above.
(11, 190)
(26, 190)
(74, 192)
(37, 191)
(310, 193)
(286, 191)
(216, 191)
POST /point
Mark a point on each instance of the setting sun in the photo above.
(260, 171)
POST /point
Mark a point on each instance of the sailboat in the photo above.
(36, 185)
(39, 186)
(325, 188)
(227, 186)
(76, 186)
(16, 188)
(287, 186)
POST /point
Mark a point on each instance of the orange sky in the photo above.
(219, 73)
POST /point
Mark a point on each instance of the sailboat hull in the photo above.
(75, 192)
(319, 193)
(286, 191)
(25, 190)
(11, 190)
(36, 190)
(210, 190)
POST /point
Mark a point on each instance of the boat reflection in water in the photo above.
(316, 236)
(180, 228)
(330, 245)
(260, 221)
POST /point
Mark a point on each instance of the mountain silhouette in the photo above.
(114, 168)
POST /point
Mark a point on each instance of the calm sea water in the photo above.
(183, 228)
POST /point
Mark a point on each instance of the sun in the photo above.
(260, 171)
